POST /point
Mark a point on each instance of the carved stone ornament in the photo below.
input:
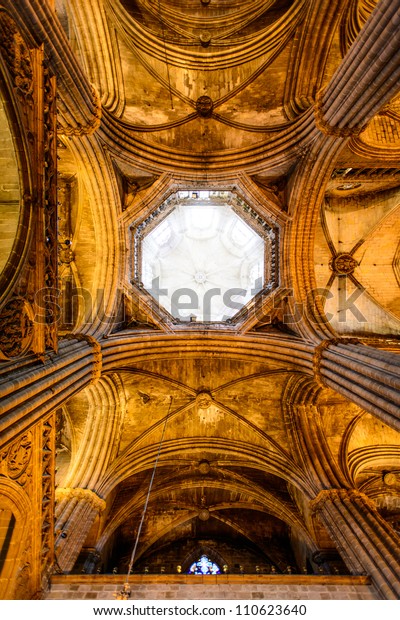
(204, 467)
(391, 479)
(66, 255)
(203, 400)
(19, 456)
(343, 264)
(17, 57)
(16, 327)
(204, 514)
(205, 38)
(204, 106)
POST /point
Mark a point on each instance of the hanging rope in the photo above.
(165, 52)
(125, 592)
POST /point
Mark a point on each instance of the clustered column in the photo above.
(367, 543)
(75, 513)
(367, 376)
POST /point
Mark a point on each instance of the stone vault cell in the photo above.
(203, 255)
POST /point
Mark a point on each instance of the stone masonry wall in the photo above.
(222, 587)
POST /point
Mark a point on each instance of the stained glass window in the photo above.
(204, 566)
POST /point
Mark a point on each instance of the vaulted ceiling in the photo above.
(221, 95)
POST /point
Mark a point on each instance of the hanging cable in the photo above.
(165, 52)
(125, 592)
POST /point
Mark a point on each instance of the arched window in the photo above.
(204, 566)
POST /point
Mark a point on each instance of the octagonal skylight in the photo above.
(200, 259)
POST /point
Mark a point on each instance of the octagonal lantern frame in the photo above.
(268, 232)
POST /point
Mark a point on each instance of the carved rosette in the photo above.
(343, 264)
(204, 514)
(204, 106)
(204, 467)
(203, 400)
(16, 320)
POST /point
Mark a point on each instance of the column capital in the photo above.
(86, 495)
(97, 353)
(333, 130)
(319, 351)
(333, 495)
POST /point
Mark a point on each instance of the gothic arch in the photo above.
(16, 547)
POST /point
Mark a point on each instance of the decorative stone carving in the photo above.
(331, 495)
(205, 38)
(81, 494)
(204, 106)
(391, 478)
(50, 206)
(203, 400)
(66, 255)
(18, 456)
(17, 57)
(47, 516)
(343, 264)
(16, 327)
(204, 467)
(204, 514)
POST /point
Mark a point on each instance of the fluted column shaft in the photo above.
(368, 75)
(367, 376)
(364, 539)
(77, 511)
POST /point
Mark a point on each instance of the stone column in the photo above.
(367, 376)
(75, 513)
(367, 78)
(364, 539)
(92, 561)
(30, 389)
